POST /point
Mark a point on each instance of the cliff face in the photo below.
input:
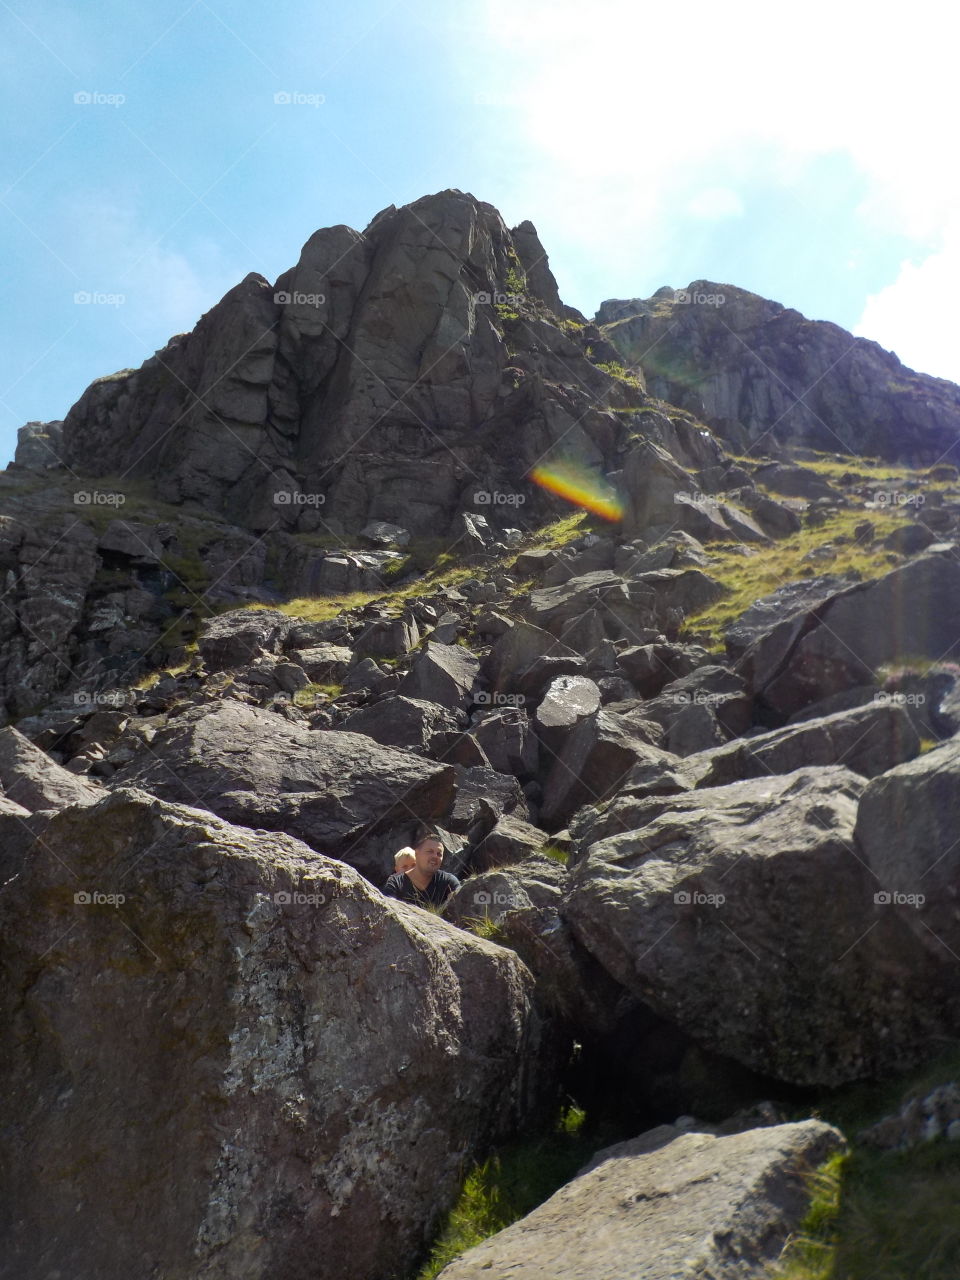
(761, 374)
(388, 375)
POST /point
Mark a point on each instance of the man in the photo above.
(425, 885)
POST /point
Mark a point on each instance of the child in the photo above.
(403, 860)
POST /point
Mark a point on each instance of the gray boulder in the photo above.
(333, 790)
(596, 757)
(906, 830)
(567, 701)
(324, 663)
(669, 1205)
(441, 673)
(182, 1018)
(30, 779)
(235, 639)
(409, 723)
(745, 915)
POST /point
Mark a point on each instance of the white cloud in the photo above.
(633, 112)
(916, 316)
(713, 203)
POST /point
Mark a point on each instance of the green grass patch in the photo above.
(878, 1215)
(746, 578)
(558, 855)
(511, 1183)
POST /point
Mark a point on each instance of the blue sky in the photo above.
(808, 158)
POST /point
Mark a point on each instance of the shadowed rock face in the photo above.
(758, 372)
(252, 1066)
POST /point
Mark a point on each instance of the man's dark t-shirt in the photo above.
(435, 895)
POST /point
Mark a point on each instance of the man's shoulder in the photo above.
(447, 878)
(395, 885)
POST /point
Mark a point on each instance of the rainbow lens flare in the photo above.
(580, 485)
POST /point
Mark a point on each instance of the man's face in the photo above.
(429, 856)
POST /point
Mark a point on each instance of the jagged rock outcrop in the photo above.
(759, 373)
(227, 1056)
(372, 382)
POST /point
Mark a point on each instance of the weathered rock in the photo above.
(28, 777)
(39, 445)
(752, 370)
(794, 481)
(508, 741)
(763, 620)
(382, 533)
(483, 797)
(237, 638)
(202, 1041)
(907, 833)
(669, 1205)
(442, 673)
(525, 658)
(715, 913)
(869, 740)
(567, 701)
(595, 758)
(388, 638)
(409, 723)
(324, 663)
(919, 1121)
(510, 840)
(911, 613)
(333, 790)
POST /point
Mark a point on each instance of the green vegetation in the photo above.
(307, 696)
(763, 569)
(488, 928)
(879, 1215)
(511, 1183)
(622, 374)
(558, 855)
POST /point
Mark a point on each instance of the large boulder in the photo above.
(333, 790)
(745, 915)
(29, 778)
(235, 639)
(409, 723)
(596, 757)
(906, 830)
(442, 673)
(869, 740)
(225, 1055)
(669, 1205)
(525, 658)
(911, 613)
(567, 701)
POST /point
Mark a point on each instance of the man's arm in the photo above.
(394, 886)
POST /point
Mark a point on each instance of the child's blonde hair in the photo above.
(406, 852)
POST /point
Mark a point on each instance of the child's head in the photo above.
(404, 859)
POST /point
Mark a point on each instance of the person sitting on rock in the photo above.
(425, 885)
